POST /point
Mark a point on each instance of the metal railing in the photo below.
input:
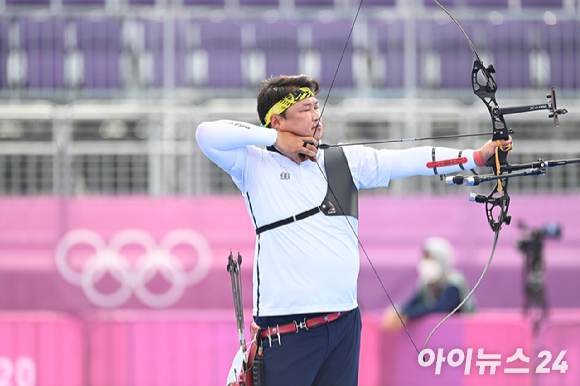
(138, 148)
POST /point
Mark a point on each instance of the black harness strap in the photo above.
(288, 220)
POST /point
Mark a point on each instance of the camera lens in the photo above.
(552, 230)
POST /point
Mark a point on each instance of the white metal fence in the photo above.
(150, 148)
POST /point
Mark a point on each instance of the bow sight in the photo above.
(550, 106)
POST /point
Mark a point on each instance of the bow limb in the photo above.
(470, 292)
(484, 87)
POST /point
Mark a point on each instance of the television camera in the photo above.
(532, 246)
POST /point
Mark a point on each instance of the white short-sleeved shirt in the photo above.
(311, 265)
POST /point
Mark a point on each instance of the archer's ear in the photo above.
(276, 121)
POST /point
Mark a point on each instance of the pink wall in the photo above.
(40, 349)
(173, 348)
(192, 339)
(151, 348)
(144, 348)
(197, 234)
(495, 333)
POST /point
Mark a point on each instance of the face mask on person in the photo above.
(429, 271)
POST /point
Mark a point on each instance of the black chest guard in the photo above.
(341, 195)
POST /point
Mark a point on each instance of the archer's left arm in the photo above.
(427, 161)
(373, 168)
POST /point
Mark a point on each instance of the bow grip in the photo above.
(501, 156)
(501, 131)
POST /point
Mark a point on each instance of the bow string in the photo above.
(336, 198)
(484, 87)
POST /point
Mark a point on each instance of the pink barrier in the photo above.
(170, 348)
(499, 334)
(40, 349)
(52, 250)
(181, 348)
(496, 333)
(158, 348)
(561, 332)
(178, 348)
(84, 255)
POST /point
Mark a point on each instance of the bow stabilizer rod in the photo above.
(537, 168)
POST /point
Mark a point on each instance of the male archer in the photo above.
(303, 203)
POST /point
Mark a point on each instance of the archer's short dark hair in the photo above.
(276, 88)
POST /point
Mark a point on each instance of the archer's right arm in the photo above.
(221, 140)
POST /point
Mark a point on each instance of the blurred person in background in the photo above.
(306, 259)
(440, 288)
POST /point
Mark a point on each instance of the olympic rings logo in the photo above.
(133, 278)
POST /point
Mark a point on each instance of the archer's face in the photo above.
(302, 119)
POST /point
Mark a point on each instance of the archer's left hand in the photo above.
(488, 150)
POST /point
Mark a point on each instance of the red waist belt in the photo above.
(307, 324)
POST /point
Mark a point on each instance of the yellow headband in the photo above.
(289, 100)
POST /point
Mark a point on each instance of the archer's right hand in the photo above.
(298, 149)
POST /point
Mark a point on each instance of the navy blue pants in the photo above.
(324, 355)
